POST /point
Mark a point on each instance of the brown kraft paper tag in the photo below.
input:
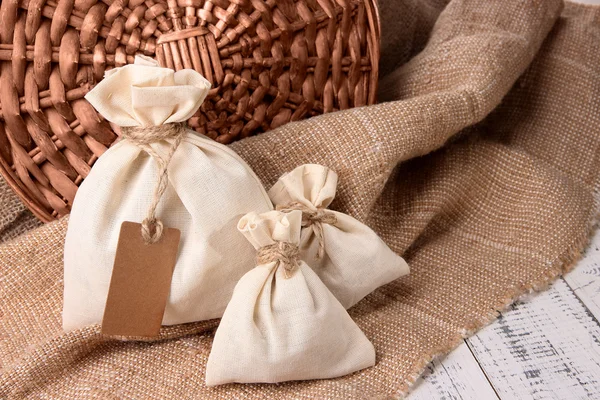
(140, 282)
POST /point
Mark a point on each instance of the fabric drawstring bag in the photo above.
(347, 255)
(160, 174)
(282, 322)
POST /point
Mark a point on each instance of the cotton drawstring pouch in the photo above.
(162, 177)
(347, 255)
(282, 322)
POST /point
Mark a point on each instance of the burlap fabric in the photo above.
(15, 219)
(503, 207)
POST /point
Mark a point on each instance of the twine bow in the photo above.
(315, 218)
(284, 253)
(143, 137)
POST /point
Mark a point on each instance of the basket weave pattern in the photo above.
(269, 62)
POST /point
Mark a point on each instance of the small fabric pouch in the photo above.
(282, 322)
(204, 190)
(347, 255)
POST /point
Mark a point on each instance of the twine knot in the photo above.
(143, 137)
(316, 218)
(284, 253)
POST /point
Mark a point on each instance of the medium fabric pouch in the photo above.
(282, 322)
(206, 188)
(347, 255)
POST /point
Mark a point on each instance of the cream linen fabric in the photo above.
(143, 94)
(356, 260)
(279, 329)
(210, 188)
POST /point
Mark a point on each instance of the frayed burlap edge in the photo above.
(562, 265)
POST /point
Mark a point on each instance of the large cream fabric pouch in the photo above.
(282, 322)
(347, 255)
(209, 188)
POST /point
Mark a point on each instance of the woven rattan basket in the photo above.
(269, 61)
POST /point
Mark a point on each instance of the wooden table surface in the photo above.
(546, 346)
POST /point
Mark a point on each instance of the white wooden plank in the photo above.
(546, 347)
(455, 376)
(585, 278)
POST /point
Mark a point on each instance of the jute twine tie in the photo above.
(284, 253)
(143, 137)
(315, 218)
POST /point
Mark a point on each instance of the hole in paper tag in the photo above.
(140, 282)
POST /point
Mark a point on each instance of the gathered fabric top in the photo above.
(144, 94)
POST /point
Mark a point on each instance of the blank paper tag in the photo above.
(140, 282)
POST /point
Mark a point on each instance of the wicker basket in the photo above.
(269, 61)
